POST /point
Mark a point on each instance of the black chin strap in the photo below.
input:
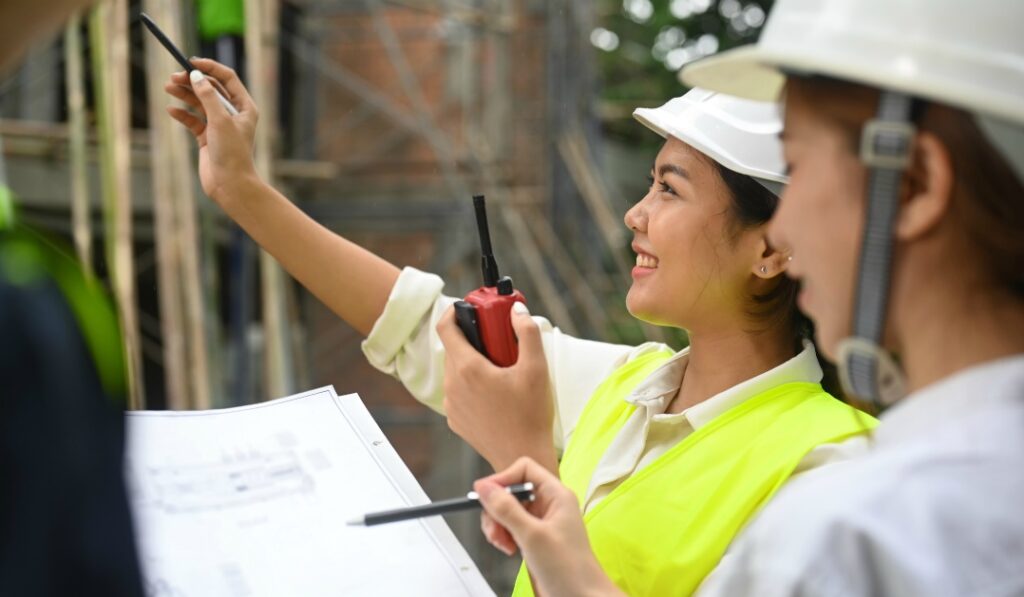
(866, 369)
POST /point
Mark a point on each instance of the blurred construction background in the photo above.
(380, 118)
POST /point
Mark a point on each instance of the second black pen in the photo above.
(523, 492)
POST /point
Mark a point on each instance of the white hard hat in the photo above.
(967, 55)
(739, 134)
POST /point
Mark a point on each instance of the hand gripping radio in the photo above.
(483, 316)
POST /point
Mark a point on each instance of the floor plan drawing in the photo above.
(254, 500)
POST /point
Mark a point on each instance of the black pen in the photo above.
(166, 42)
(176, 53)
(523, 492)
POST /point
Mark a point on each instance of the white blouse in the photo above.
(934, 507)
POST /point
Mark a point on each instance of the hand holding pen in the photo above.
(225, 140)
(549, 531)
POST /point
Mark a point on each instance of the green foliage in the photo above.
(641, 44)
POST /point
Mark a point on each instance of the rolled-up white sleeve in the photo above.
(404, 344)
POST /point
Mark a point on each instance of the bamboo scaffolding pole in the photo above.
(80, 220)
(175, 211)
(583, 293)
(196, 312)
(197, 315)
(534, 262)
(165, 225)
(261, 20)
(109, 40)
(574, 151)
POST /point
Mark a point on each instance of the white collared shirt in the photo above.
(934, 507)
(404, 344)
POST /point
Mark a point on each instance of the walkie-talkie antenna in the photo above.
(487, 262)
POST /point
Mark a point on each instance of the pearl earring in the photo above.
(764, 269)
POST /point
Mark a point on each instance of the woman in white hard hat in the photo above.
(651, 447)
(904, 135)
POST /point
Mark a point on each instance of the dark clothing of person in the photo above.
(65, 524)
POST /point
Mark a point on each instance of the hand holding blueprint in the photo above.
(254, 500)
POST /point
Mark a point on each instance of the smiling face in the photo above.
(695, 266)
(821, 217)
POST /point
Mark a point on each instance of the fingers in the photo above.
(181, 78)
(183, 93)
(531, 347)
(547, 487)
(184, 79)
(220, 88)
(524, 470)
(236, 91)
(209, 97)
(457, 348)
(504, 508)
(497, 535)
(193, 123)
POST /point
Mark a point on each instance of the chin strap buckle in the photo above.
(869, 372)
(886, 144)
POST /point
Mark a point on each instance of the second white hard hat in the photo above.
(966, 55)
(741, 135)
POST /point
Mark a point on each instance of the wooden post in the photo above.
(261, 21)
(575, 152)
(535, 267)
(80, 212)
(551, 245)
(165, 225)
(184, 320)
(109, 36)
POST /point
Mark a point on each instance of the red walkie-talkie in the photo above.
(483, 316)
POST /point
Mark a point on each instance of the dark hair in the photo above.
(753, 204)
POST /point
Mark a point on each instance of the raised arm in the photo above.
(351, 281)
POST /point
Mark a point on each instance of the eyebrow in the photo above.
(672, 169)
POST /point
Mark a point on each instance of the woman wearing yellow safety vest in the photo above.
(697, 440)
(904, 135)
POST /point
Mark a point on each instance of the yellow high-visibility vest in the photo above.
(662, 530)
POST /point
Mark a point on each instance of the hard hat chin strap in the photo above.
(866, 370)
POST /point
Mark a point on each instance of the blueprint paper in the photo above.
(254, 500)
